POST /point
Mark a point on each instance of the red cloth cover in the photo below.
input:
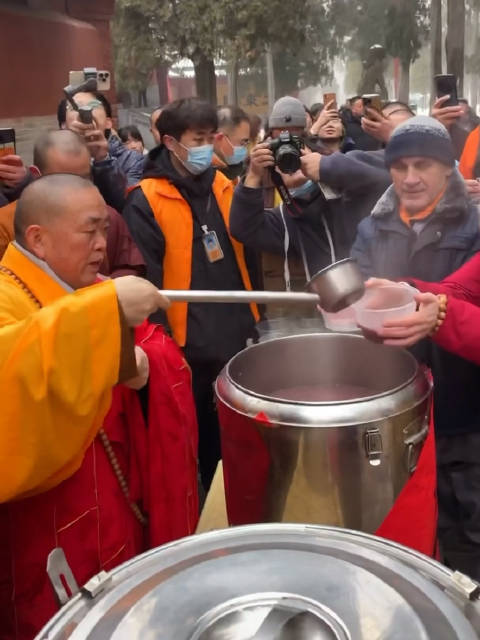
(87, 515)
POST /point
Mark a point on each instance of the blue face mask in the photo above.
(199, 158)
(239, 155)
(303, 190)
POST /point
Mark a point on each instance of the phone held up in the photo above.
(446, 85)
(7, 142)
(372, 101)
(330, 97)
(101, 76)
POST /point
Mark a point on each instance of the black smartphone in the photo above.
(7, 142)
(446, 85)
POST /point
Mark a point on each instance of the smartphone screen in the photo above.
(7, 142)
(447, 85)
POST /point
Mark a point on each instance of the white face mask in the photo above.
(199, 158)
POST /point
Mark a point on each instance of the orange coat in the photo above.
(470, 155)
(174, 217)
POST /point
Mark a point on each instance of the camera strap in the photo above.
(290, 205)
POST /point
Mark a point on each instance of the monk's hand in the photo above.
(408, 330)
(138, 298)
(143, 369)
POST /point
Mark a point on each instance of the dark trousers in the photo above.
(204, 375)
(458, 486)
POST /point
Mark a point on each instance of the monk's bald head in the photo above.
(45, 200)
(61, 151)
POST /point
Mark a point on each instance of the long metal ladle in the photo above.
(336, 287)
(260, 297)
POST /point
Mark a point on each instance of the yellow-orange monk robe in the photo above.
(7, 215)
(58, 365)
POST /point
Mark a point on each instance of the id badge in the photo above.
(212, 246)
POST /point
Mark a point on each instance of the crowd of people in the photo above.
(109, 415)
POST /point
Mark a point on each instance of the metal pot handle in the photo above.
(412, 443)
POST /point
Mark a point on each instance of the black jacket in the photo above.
(215, 332)
(386, 248)
(353, 127)
(359, 178)
(265, 229)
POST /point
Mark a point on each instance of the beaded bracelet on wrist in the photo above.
(442, 312)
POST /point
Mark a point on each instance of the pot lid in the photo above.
(273, 582)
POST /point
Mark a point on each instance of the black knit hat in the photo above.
(423, 137)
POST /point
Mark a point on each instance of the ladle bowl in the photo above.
(338, 285)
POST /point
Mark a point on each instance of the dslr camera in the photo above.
(287, 152)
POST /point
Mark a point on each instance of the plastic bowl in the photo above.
(384, 303)
(344, 320)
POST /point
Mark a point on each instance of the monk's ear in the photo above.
(34, 240)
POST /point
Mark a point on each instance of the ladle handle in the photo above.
(261, 297)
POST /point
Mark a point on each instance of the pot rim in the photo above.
(270, 411)
(276, 400)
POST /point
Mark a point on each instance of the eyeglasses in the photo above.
(93, 104)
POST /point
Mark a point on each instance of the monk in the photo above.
(80, 470)
(63, 151)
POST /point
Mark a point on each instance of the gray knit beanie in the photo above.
(423, 137)
(287, 112)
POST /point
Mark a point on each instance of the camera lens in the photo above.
(287, 159)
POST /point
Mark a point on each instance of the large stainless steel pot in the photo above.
(274, 582)
(340, 463)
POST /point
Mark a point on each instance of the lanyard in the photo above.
(290, 205)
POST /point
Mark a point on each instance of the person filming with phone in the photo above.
(114, 167)
(14, 175)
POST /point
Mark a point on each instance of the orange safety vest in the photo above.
(470, 155)
(174, 217)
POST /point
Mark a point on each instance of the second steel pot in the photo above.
(274, 582)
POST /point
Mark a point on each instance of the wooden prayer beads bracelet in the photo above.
(442, 312)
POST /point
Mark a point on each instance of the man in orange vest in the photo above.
(179, 218)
